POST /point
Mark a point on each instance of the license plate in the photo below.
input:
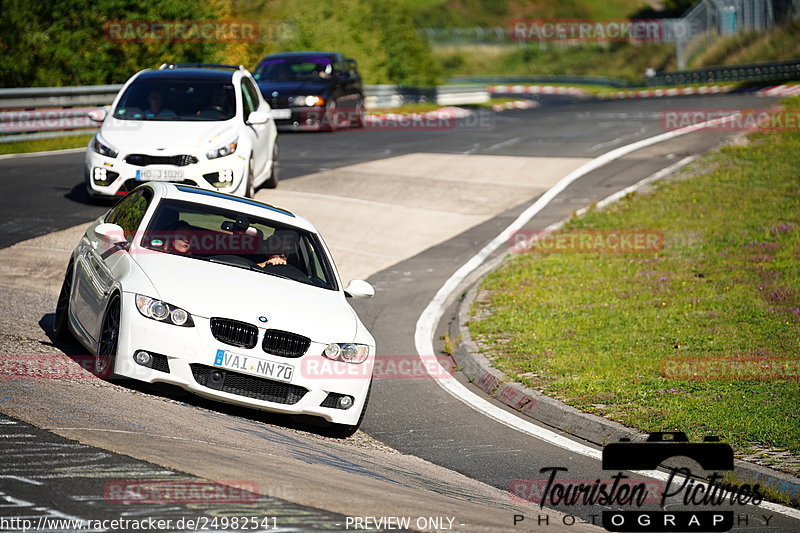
(159, 175)
(253, 365)
(281, 114)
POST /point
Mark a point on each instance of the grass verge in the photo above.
(45, 145)
(700, 336)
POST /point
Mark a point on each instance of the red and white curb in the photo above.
(775, 90)
(536, 89)
(675, 91)
(516, 104)
(444, 113)
(780, 90)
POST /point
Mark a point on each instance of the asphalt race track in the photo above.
(403, 209)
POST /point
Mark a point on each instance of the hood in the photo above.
(166, 136)
(292, 88)
(212, 290)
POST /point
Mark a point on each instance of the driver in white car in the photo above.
(157, 109)
(277, 247)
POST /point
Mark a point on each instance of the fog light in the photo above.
(226, 175)
(143, 358)
(346, 402)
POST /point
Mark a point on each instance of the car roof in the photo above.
(301, 54)
(172, 191)
(212, 74)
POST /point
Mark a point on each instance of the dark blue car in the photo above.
(312, 90)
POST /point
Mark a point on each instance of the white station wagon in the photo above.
(197, 124)
(224, 296)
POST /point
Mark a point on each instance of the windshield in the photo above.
(240, 241)
(176, 99)
(302, 68)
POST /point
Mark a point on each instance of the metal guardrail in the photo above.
(43, 112)
(40, 97)
(755, 72)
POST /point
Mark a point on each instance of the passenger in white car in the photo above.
(157, 109)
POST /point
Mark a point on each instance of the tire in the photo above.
(109, 340)
(359, 121)
(330, 118)
(272, 181)
(61, 321)
(343, 431)
(248, 189)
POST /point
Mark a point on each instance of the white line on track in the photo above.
(426, 324)
(503, 144)
(49, 152)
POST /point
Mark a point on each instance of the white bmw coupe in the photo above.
(224, 296)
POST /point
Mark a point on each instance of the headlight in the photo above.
(306, 101)
(101, 148)
(226, 149)
(163, 312)
(347, 352)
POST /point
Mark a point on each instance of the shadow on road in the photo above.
(72, 349)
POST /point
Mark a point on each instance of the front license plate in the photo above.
(281, 114)
(254, 366)
(159, 175)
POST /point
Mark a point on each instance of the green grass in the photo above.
(618, 60)
(405, 109)
(624, 61)
(594, 329)
(783, 43)
(44, 145)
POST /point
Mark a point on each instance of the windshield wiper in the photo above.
(228, 263)
(256, 268)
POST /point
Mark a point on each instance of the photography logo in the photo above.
(709, 502)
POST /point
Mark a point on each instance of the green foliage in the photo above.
(64, 43)
(468, 13)
(379, 34)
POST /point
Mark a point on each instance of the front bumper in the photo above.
(118, 177)
(302, 119)
(190, 354)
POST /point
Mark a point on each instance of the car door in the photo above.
(350, 89)
(261, 134)
(99, 264)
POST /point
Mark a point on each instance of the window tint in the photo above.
(129, 212)
(251, 91)
(309, 67)
(247, 102)
(209, 233)
(177, 100)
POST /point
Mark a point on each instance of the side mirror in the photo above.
(97, 115)
(359, 289)
(258, 117)
(110, 233)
